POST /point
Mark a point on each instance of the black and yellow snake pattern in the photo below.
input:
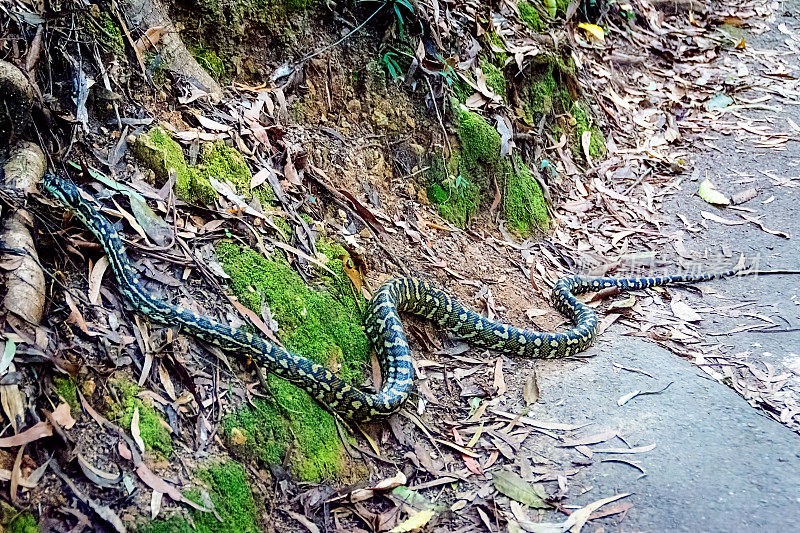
(382, 322)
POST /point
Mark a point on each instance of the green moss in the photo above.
(456, 185)
(462, 90)
(457, 199)
(210, 61)
(480, 142)
(524, 205)
(530, 16)
(156, 437)
(233, 501)
(495, 79)
(105, 30)
(498, 47)
(543, 95)
(174, 524)
(227, 164)
(23, 523)
(232, 498)
(561, 7)
(283, 226)
(257, 432)
(66, 388)
(597, 145)
(159, 152)
(313, 323)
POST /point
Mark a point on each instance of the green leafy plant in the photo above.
(389, 62)
(398, 7)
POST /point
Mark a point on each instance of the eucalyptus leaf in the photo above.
(516, 488)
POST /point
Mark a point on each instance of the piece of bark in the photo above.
(24, 278)
(16, 97)
(146, 14)
(25, 281)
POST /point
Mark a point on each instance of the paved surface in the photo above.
(719, 464)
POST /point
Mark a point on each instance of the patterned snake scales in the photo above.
(382, 322)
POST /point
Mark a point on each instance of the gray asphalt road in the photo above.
(719, 464)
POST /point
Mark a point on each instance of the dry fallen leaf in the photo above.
(135, 432)
(684, 312)
(75, 317)
(530, 392)
(744, 196)
(414, 522)
(96, 279)
(155, 504)
(150, 38)
(499, 381)
(716, 218)
(385, 484)
(576, 520)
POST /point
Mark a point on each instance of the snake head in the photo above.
(63, 189)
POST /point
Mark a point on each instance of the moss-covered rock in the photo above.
(456, 185)
(456, 198)
(480, 145)
(159, 152)
(315, 323)
(583, 122)
(163, 155)
(495, 79)
(152, 429)
(543, 94)
(524, 205)
(227, 164)
(530, 16)
(227, 486)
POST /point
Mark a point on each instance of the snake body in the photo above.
(382, 322)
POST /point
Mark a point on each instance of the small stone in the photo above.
(354, 106)
(380, 119)
(417, 148)
(238, 437)
(88, 387)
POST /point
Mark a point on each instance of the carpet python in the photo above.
(382, 322)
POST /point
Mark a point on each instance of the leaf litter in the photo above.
(603, 216)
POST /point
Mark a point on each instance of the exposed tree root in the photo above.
(25, 281)
(16, 97)
(147, 14)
